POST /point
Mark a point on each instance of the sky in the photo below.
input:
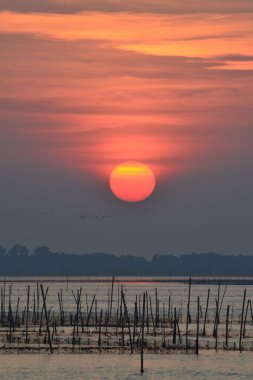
(88, 84)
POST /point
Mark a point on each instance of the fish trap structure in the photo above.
(147, 325)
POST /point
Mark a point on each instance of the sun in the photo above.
(132, 181)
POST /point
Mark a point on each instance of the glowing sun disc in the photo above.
(132, 181)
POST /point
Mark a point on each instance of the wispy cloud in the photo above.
(141, 6)
(92, 89)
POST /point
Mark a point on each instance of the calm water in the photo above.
(178, 292)
(208, 366)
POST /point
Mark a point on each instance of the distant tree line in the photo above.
(18, 261)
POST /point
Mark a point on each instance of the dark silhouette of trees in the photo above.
(18, 250)
(18, 261)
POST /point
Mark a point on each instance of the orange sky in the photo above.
(88, 84)
(92, 89)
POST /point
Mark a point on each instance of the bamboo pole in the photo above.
(128, 322)
(156, 308)
(242, 318)
(135, 320)
(218, 300)
(152, 317)
(197, 334)
(34, 309)
(92, 303)
(122, 326)
(27, 314)
(147, 313)
(169, 308)
(188, 317)
(178, 328)
(223, 296)
(189, 299)
(216, 323)
(99, 332)
(245, 319)
(142, 335)
(175, 327)
(38, 302)
(206, 311)
(227, 321)
(16, 315)
(47, 319)
(111, 301)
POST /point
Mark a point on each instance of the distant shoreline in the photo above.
(197, 280)
(43, 262)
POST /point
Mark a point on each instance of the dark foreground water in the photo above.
(209, 365)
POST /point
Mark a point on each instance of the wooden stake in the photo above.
(27, 314)
(227, 321)
(242, 318)
(207, 303)
(175, 327)
(88, 318)
(99, 333)
(245, 319)
(197, 335)
(142, 334)
(216, 324)
(128, 322)
(47, 319)
(188, 316)
(110, 314)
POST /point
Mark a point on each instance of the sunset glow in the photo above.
(105, 87)
(132, 181)
(107, 99)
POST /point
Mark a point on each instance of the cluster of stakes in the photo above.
(147, 326)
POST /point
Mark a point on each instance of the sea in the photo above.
(209, 364)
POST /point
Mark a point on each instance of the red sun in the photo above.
(132, 181)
